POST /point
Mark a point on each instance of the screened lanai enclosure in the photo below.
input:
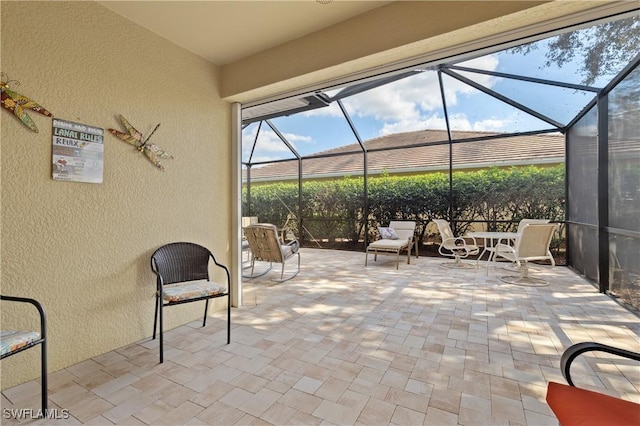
(547, 127)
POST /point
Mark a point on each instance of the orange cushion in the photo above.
(575, 406)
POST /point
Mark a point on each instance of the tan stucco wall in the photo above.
(83, 249)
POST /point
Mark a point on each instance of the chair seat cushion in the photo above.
(289, 249)
(581, 407)
(385, 244)
(191, 290)
(13, 340)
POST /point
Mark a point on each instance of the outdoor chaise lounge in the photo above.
(396, 237)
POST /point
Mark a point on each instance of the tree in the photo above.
(602, 49)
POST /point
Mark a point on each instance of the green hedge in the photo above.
(335, 208)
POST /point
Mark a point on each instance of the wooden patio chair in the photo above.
(246, 250)
(266, 246)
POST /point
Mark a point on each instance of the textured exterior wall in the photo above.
(83, 249)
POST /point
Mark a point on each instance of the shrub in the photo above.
(335, 209)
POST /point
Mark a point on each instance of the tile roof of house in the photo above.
(425, 150)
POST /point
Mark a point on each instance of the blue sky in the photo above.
(415, 103)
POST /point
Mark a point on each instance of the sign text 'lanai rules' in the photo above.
(78, 152)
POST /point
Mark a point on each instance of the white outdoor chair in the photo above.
(396, 237)
(457, 247)
(525, 222)
(532, 244)
(512, 241)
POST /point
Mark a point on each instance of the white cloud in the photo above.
(461, 122)
(297, 140)
(458, 122)
(269, 146)
(415, 103)
(433, 122)
(486, 63)
(409, 99)
(400, 100)
(490, 125)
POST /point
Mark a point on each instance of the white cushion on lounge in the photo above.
(389, 244)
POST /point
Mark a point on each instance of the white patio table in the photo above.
(491, 239)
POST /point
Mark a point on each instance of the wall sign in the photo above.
(78, 152)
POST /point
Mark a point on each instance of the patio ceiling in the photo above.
(226, 31)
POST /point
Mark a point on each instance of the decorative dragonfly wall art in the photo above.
(135, 138)
(18, 103)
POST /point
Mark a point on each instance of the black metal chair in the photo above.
(13, 342)
(182, 271)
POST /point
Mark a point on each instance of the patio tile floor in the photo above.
(341, 344)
